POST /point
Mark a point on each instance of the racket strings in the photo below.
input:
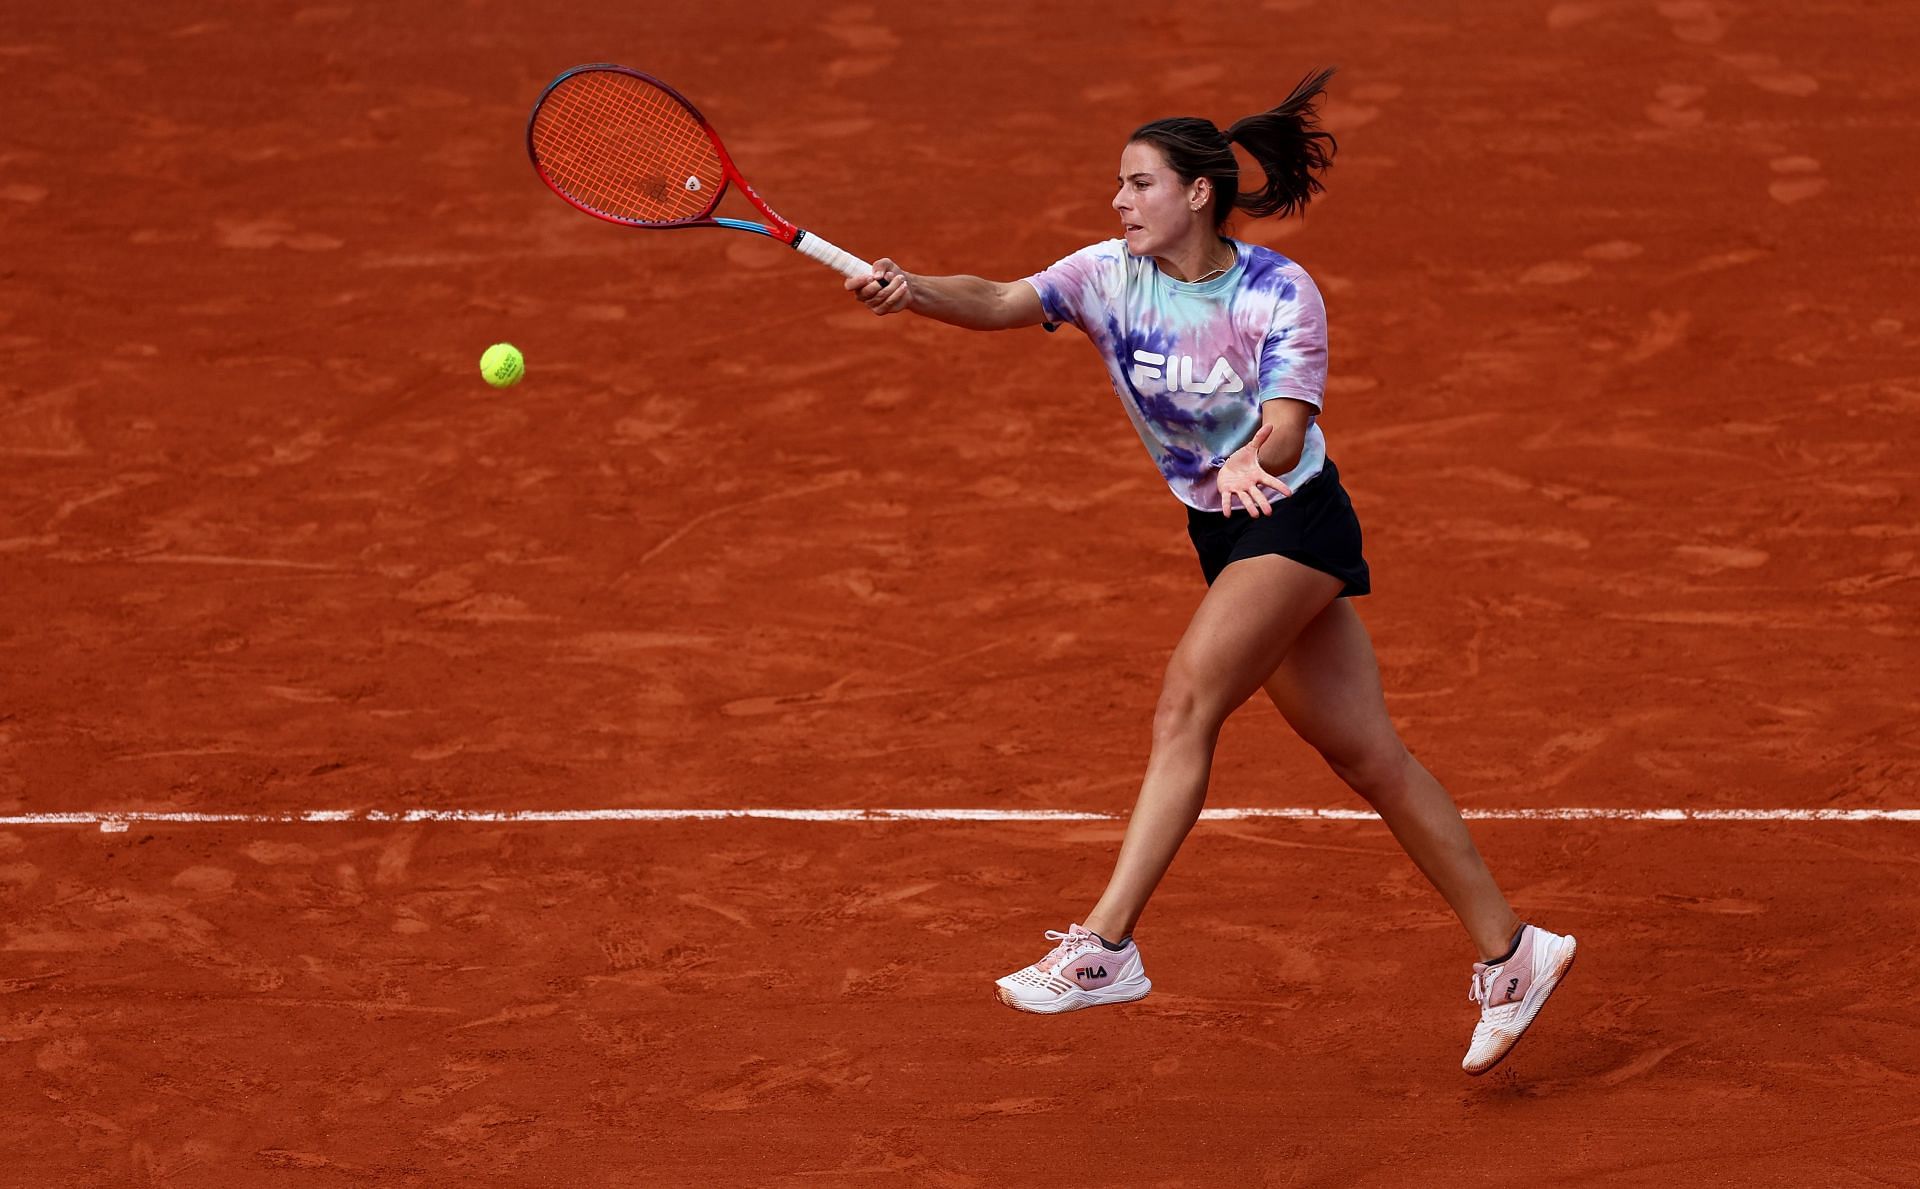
(623, 147)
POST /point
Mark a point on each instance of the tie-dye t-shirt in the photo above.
(1193, 362)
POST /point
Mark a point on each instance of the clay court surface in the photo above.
(1624, 386)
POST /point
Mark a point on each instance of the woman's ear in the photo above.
(1201, 188)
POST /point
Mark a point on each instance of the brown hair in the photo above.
(1286, 140)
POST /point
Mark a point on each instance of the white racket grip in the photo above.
(845, 263)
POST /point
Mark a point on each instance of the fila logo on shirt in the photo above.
(1176, 373)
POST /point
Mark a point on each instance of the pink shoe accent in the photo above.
(1510, 993)
(1508, 981)
(1093, 970)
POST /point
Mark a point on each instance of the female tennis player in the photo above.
(1217, 350)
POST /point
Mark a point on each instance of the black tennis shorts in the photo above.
(1314, 526)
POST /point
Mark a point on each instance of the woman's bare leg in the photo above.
(1236, 639)
(1328, 688)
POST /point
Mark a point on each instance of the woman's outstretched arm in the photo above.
(971, 302)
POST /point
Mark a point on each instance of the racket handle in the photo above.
(845, 263)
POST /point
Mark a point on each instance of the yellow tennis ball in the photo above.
(502, 365)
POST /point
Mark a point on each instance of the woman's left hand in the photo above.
(1242, 475)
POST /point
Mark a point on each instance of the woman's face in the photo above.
(1156, 208)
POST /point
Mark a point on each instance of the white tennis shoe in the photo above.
(1078, 972)
(1511, 993)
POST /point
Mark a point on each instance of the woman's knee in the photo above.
(1376, 771)
(1185, 710)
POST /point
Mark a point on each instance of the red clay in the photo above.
(1622, 387)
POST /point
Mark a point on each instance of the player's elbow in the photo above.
(1015, 304)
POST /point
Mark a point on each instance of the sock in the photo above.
(1115, 946)
(1511, 950)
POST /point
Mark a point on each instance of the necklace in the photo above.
(1221, 271)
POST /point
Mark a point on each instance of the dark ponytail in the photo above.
(1286, 141)
(1291, 149)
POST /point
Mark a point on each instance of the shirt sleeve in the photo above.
(1293, 358)
(1079, 285)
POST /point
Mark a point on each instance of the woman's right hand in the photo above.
(888, 291)
(1243, 476)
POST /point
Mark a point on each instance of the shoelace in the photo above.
(1480, 986)
(1070, 944)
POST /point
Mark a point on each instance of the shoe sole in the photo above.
(1073, 1000)
(1550, 984)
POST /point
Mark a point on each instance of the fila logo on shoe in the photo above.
(1512, 985)
(1175, 372)
(1090, 972)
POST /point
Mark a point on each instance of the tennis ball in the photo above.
(502, 365)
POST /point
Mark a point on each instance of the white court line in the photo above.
(113, 823)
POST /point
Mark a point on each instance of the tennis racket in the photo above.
(625, 147)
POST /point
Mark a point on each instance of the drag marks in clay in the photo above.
(1795, 179)
(869, 47)
(1677, 106)
(760, 1080)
